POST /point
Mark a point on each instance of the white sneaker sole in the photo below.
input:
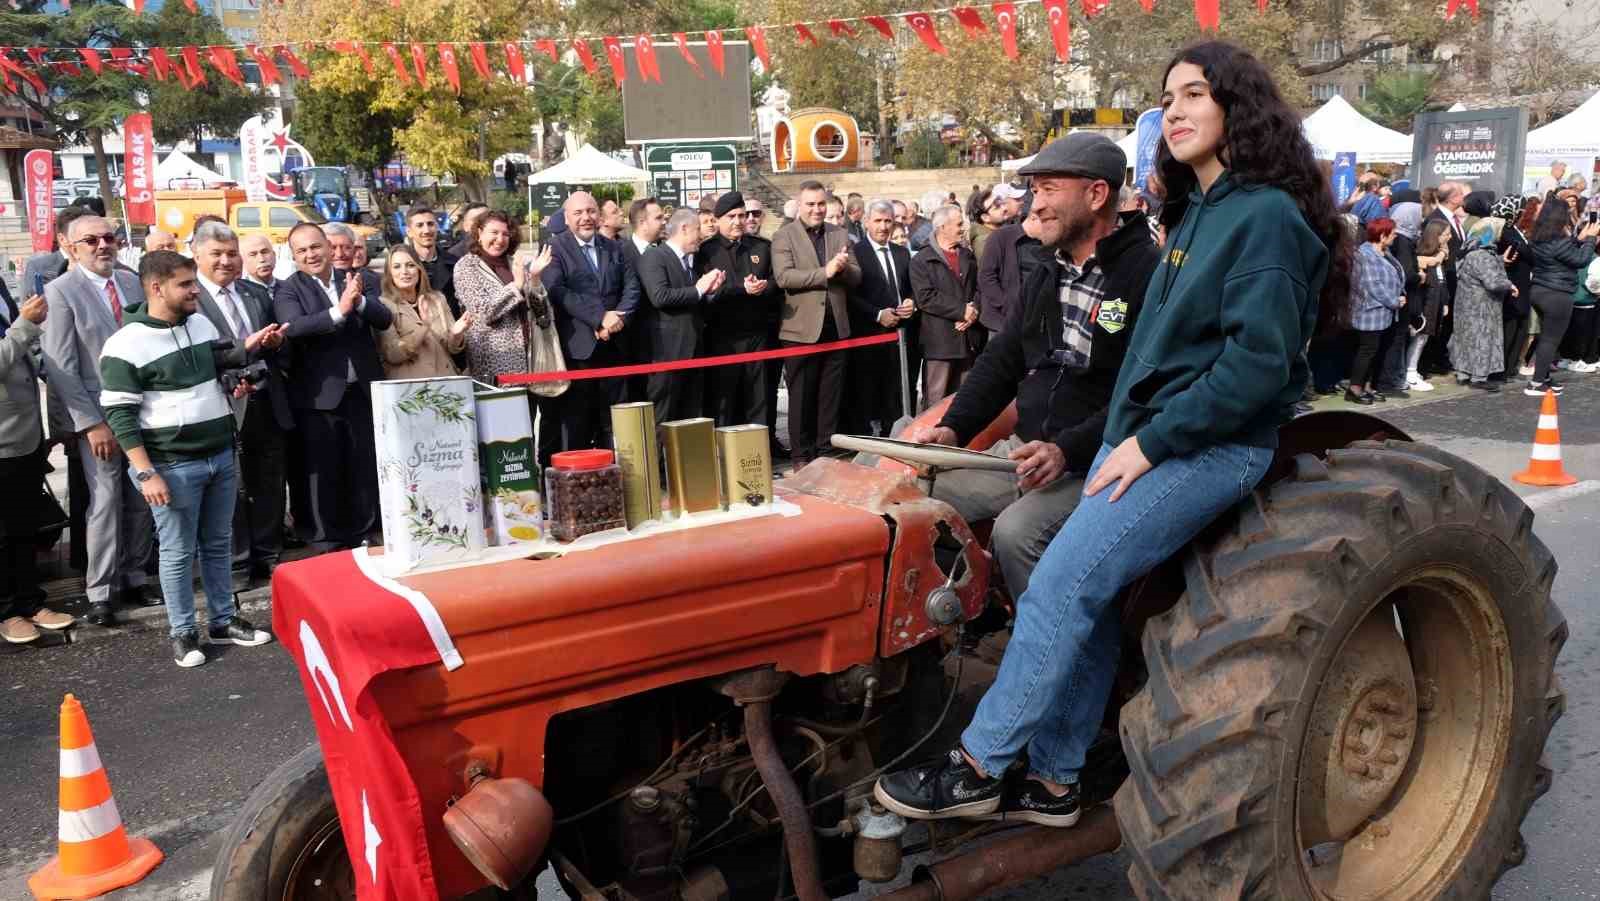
(1056, 821)
(13, 640)
(188, 661)
(261, 639)
(975, 810)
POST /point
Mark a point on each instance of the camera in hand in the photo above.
(251, 375)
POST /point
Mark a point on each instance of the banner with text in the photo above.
(1481, 149)
(1343, 178)
(1148, 131)
(40, 168)
(139, 167)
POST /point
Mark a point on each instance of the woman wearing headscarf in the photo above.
(1477, 346)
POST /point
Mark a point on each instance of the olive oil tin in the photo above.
(633, 434)
(691, 465)
(512, 509)
(744, 461)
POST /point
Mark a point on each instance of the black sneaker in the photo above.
(1029, 801)
(186, 650)
(947, 789)
(1486, 387)
(1537, 389)
(238, 631)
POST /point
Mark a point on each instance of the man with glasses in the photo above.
(87, 305)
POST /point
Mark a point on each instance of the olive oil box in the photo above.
(428, 481)
(512, 513)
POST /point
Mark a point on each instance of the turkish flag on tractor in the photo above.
(1005, 15)
(447, 62)
(139, 167)
(39, 165)
(714, 51)
(619, 65)
(922, 25)
(682, 40)
(1061, 27)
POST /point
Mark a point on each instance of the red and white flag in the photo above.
(92, 58)
(758, 43)
(804, 34)
(682, 40)
(269, 69)
(480, 60)
(399, 63)
(841, 28)
(191, 66)
(1092, 8)
(1005, 16)
(548, 48)
(714, 51)
(883, 26)
(619, 64)
(161, 64)
(644, 51)
(299, 68)
(1061, 27)
(359, 50)
(39, 167)
(921, 24)
(515, 64)
(970, 20)
(139, 167)
(223, 60)
(419, 58)
(447, 62)
(1208, 14)
(586, 57)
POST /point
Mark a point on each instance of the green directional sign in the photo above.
(682, 174)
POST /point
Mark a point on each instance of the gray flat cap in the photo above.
(1084, 154)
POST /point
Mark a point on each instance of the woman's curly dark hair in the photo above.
(1262, 144)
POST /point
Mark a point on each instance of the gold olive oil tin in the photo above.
(691, 465)
(744, 460)
(633, 433)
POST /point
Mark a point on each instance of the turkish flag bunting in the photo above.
(138, 6)
(37, 54)
(299, 68)
(548, 48)
(123, 59)
(1208, 14)
(399, 63)
(359, 50)
(1091, 8)
(1061, 26)
(1455, 5)
(269, 69)
(804, 34)
(517, 66)
(841, 29)
(5, 74)
(882, 24)
(970, 20)
(67, 69)
(191, 66)
(922, 25)
(1261, 6)
(644, 51)
(31, 78)
(223, 60)
(586, 56)
(447, 62)
(619, 65)
(758, 43)
(682, 40)
(192, 7)
(480, 60)
(714, 50)
(92, 57)
(419, 58)
(162, 66)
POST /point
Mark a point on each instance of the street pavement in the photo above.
(183, 748)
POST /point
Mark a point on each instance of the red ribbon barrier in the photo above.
(527, 378)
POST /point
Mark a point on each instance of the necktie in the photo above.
(243, 326)
(588, 253)
(688, 268)
(116, 302)
(888, 269)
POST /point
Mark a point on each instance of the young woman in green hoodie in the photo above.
(1253, 255)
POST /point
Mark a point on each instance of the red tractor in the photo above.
(1340, 690)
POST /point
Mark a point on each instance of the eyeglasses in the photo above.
(754, 214)
(93, 240)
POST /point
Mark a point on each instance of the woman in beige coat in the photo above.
(424, 334)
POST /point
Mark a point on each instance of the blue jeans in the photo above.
(197, 521)
(1050, 694)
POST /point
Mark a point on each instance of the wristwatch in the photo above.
(145, 475)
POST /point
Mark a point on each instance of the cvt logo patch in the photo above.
(1113, 315)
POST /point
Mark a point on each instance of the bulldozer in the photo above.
(1341, 689)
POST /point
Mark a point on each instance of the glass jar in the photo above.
(583, 493)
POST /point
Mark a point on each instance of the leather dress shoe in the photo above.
(145, 595)
(101, 615)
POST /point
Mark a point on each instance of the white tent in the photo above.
(1337, 127)
(1457, 107)
(590, 167)
(178, 170)
(1578, 132)
(1129, 144)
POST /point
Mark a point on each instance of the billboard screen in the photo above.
(685, 106)
(1480, 148)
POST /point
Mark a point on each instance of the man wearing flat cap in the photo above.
(1057, 356)
(739, 315)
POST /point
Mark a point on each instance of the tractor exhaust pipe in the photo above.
(798, 836)
(1021, 855)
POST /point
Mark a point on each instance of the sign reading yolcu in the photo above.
(40, 168)
(268, 153)
(139, 162)
(1482, 149)
(683, 174)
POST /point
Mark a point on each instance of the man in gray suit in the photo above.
(86, 307)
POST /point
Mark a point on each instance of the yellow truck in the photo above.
(176, 212)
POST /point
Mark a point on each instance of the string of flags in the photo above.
(410, 61)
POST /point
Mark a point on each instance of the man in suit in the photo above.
(675, 319)
(260, 262)
(944, 283)
(879, 305)
(738, 313)
(263, 419)
(346, 251)
(86, 307)
(329, 321)
(647, 219)
(813, 266)
(595, 294)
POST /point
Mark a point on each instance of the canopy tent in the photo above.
(1129, 144)
(178, 169)
(1337, 127)
(590, 167)
(1457, 107)
(1578, 132)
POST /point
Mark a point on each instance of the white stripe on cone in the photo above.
(79, 761)
(88, 825)
(1547, 452)
(1547, 422)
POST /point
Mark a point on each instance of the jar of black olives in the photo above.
(583, 493)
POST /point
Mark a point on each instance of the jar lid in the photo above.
(595, 458)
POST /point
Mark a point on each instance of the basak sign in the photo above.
(1482, 149)
(39, 166)
(139, 168)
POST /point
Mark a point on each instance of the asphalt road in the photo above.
(184, 747)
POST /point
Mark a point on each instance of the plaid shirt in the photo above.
(1080, 291)
(1379, 285)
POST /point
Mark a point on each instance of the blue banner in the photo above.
(1148, 131)
(1343, 178)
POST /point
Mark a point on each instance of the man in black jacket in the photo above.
(739, 314)
(882, 304)
(1057, 356)
(675, 314)
(422, 233)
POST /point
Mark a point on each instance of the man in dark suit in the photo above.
(647, 219)
(676, 301)
(882, 304)
(343, 245)
(595, 293)
(330, 322)
(263, 419)
(739, 313)
(944, 283)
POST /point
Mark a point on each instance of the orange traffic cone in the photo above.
(94, 855)
(1545, 466)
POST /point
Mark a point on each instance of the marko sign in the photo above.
(39, 166)
(1480, 148)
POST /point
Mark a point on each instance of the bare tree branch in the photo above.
(1366, 49)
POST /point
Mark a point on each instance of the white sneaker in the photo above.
(1421, 384)
(1525, 370)
(1583, 367)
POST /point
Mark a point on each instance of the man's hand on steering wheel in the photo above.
(1038, 463)
(933, 434)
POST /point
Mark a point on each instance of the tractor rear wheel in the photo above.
(1352, 698)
